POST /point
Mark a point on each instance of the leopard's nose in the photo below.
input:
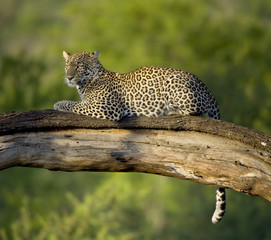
(69, 78)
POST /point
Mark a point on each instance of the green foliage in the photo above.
(225, 43)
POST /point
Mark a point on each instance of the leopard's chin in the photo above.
(71, 83)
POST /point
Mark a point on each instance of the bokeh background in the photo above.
(225, 42)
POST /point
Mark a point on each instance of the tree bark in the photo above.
(193, 148)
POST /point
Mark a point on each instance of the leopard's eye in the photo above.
(79, 67)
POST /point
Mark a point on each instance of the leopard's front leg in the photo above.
(97, 110)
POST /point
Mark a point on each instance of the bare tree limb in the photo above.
(199, 149)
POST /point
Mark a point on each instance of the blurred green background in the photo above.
(226, 43)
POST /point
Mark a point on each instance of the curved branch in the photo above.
(199, 149)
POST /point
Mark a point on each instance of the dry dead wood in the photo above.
(199, 149)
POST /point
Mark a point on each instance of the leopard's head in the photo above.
(81, 66)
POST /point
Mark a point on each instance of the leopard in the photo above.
(148, 91)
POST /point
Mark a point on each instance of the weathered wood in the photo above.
(200, 149)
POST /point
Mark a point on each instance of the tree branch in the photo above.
(199, 149)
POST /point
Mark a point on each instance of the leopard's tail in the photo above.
(220, 205)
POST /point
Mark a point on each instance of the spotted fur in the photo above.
(148, 91)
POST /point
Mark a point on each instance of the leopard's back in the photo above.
(158, 91)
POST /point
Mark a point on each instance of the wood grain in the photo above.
(199, 149)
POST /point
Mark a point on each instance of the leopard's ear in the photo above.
(96, 54)
(66, 55)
